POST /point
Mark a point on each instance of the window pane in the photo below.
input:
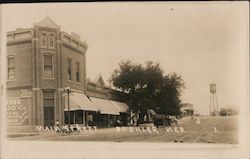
(47, 60)
(48, 70)
(67, 117)
(48, 102)
(11, 73)
(77, 72)
(11, 68)
(51, 41)
(49, 94)
(79, 116)
(69, 69)
(43, 40)
(11, 62)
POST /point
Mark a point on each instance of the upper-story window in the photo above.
(48, 66)
(51, 41)
(78, 72)
(44, 40)
(11, 68)
(69, 69)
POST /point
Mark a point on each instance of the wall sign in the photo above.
(18, 109)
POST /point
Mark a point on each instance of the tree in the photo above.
(168, 98)
(148, 88)
(129, 78)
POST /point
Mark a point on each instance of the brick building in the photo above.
(42, 61)
(100, 105)
(110, 102)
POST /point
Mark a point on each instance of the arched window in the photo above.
(51, 41)
(44, 40)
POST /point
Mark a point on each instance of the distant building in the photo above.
(42, 60)
(187, 109)
(228, 112)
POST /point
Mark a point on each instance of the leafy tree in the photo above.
(148, 88)
(129, 78)
(168, 98)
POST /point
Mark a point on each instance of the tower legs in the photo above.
(213, 103)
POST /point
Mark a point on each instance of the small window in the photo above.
(69, 61)
(44, 40)
(51, 41)
(78, 72)
(11, 68)
(48, 69)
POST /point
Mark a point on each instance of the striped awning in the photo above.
(79, 101)
(122, 107)
(105, 106)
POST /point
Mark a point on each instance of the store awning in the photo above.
(105, 106)
(122, 107)
(79, 101)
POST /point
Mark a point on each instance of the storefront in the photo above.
(108, 112)
(94, 111)
(123, 109)
(81, 109)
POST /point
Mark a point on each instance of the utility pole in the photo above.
(68, 91)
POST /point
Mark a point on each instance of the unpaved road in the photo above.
(193, 133)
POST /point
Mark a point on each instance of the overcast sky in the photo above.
(202, 42)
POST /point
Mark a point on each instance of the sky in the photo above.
(204, 42)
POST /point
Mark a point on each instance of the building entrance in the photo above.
(48, 108)
(49, 119)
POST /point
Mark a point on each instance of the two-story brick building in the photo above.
(42, 61)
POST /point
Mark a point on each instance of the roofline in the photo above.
(20, 31)
(78, 40)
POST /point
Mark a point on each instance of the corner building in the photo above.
(42, 61)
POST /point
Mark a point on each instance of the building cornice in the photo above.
(73, 48)
(21, 41)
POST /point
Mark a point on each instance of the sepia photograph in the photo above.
(125, 80)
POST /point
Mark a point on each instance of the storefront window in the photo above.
(79, 116)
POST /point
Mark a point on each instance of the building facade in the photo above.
(42, 60)
(111, 103)
(187, 109)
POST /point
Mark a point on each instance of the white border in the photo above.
(81, 150)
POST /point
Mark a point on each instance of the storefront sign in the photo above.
(18, 112)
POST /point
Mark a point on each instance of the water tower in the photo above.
(214, 107)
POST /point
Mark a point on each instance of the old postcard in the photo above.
(125, 80)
